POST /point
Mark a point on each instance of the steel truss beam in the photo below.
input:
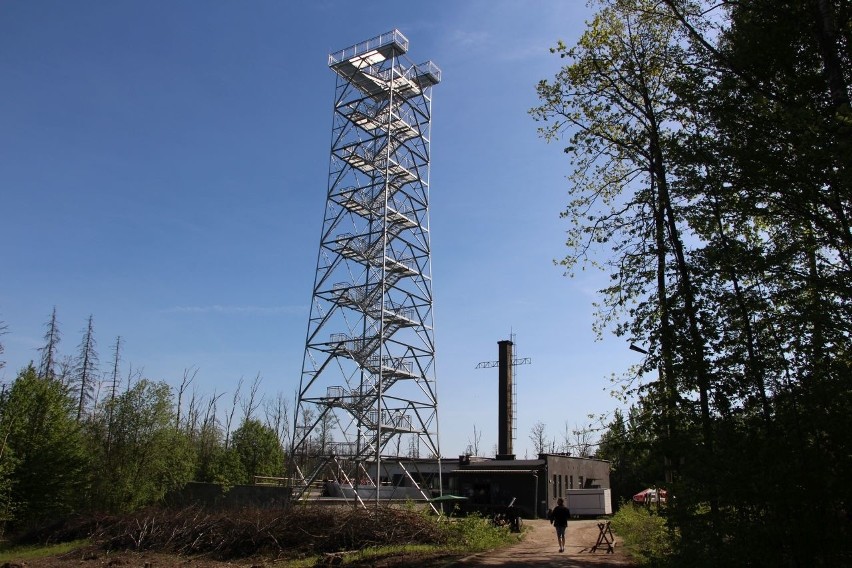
(367, 392)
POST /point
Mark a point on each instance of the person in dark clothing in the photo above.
(559, 518)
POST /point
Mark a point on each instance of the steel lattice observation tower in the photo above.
(367, 393)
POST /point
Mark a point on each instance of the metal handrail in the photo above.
(371, 44)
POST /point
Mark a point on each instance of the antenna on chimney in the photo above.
(507, 393)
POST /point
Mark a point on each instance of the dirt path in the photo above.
(539, 548)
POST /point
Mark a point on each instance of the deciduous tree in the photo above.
(150, 457)
(615, 100)
(710, 144)
(44, 454)
(258, 449)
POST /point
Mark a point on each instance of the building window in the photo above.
(570, 482)
(555, 489)
(581, 482)
(559, 485)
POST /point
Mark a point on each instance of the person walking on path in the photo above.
(559, 518)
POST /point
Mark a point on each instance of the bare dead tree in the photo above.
(278, 417)
(188, 376)
(96, 396)
(538, 436)
(133, 376)
(250, 405)
(324, 433)
(565, 446)
(64, 371)
(4, 329)
(210, 415)
(209, 433)
(413, 447)
(116, 362)
(86, 369)
(229, 419)
(49, 353)
(192, 415)
(473, 443)
(578, 440)
(306, 423)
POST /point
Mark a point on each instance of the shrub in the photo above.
(646, 535)
(475, 533)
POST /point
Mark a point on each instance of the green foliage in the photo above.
(710, 147)
(258, 450)
(475, 533)
(44, 461)
(227, 469)
(635, 460)
(63, 451)
(144, 456)
(207, 441)
(8, 464)
(645, 534)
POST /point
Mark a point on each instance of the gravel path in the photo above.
(539, 548)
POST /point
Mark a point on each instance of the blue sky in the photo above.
(163, 167)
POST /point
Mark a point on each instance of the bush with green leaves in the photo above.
(645, 533)
(475, 533)
(259, 452)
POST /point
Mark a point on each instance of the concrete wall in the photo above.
(566, 472)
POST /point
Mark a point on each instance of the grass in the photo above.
(405, 553)
(18, 553)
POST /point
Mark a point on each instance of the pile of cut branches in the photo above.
(249, 532)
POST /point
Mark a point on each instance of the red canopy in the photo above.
(651, 496)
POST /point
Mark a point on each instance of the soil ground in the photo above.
(538, 548)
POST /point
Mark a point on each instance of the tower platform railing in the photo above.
(392, 39)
